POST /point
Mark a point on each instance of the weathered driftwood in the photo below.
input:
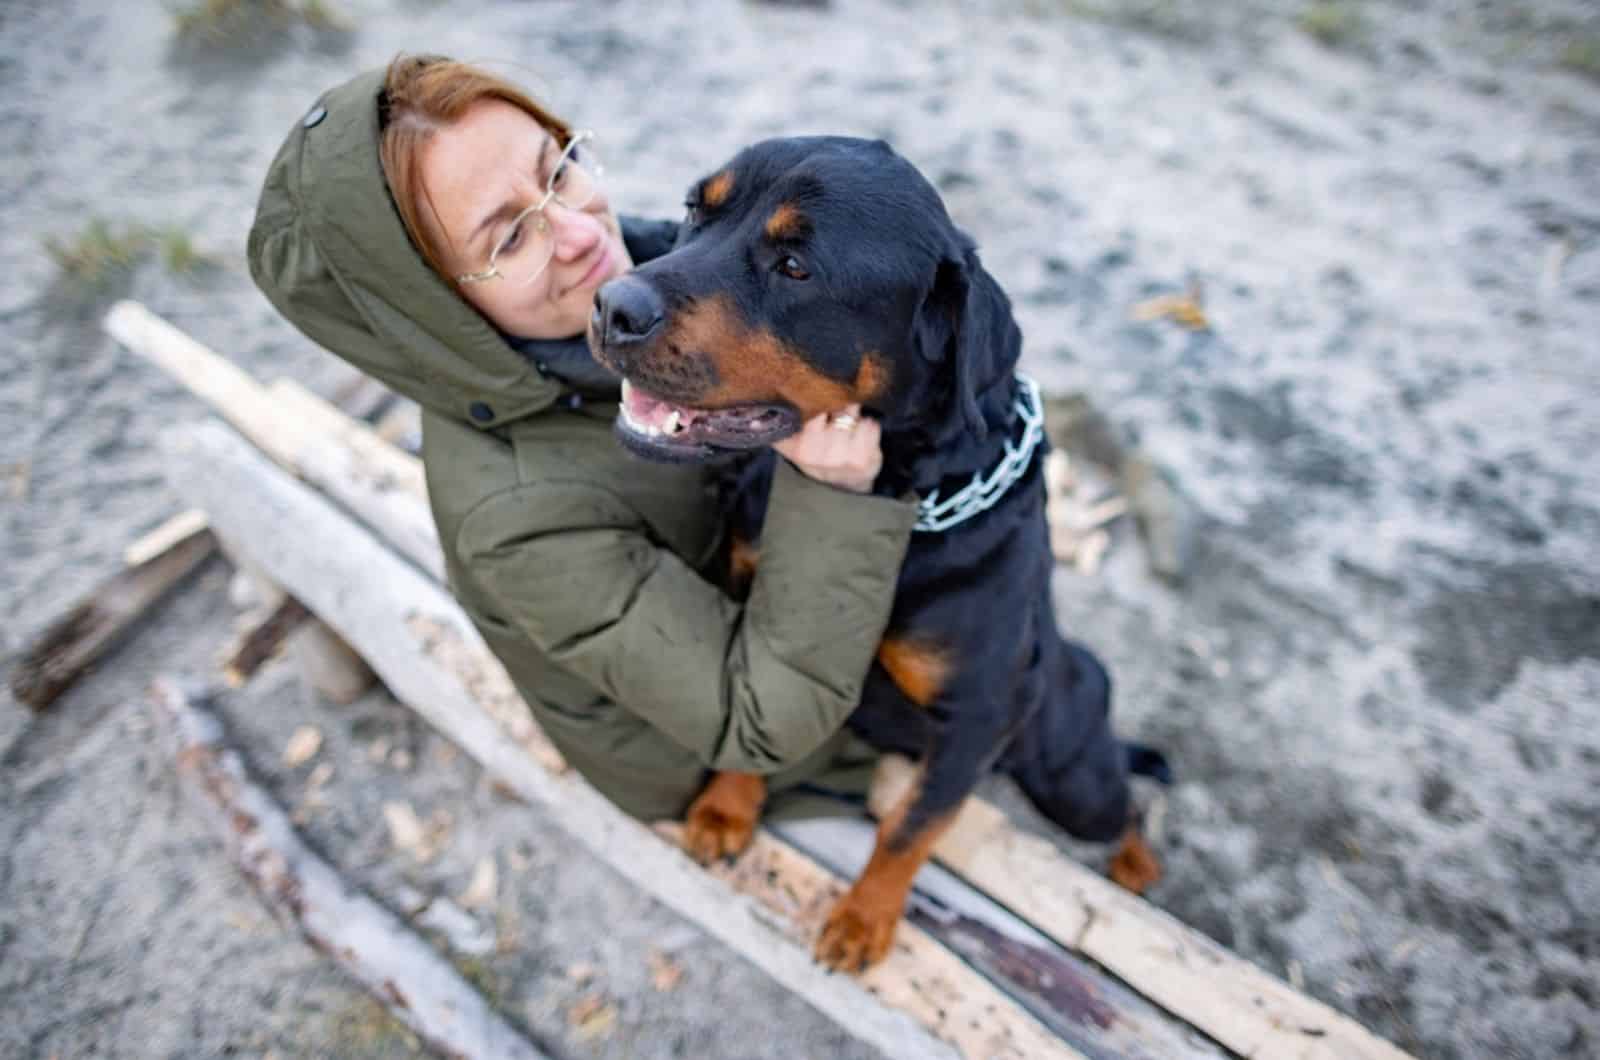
(427, 652)
(71, 644)
(1236, 1003)
(411, 980)
(264, 640)
(346, 460)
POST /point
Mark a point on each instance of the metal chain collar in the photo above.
(984, 491)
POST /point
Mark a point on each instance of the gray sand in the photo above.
(1379, 683)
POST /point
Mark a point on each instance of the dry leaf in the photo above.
(581, 973)
(319, 776)
(484, 888)
(501, 790)
(593, 1016)
(302, 746)
(1183, 309)
(405, 828)
(665, 973)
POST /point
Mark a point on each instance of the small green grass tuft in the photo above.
(1581, 55)
(219, 21)
(1170, 19)
(100, 252)
(179, 253)
(366, 1028)
(319, 15)
(478, 972)
(1333, 23)
(104, 252)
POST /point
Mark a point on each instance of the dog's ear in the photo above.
(942, 337)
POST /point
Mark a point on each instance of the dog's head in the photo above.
(809, 274)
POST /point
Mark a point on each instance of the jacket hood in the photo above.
(329, 250)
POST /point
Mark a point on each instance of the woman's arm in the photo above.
(753, 687)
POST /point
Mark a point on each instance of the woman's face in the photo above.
(479, 174)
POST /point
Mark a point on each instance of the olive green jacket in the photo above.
(588, 571)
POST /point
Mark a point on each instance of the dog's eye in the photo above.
(790, 266)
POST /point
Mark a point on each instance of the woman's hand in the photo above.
(839, 448)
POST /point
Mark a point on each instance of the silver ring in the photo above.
(843, 422)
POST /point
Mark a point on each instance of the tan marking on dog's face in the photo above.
(755, 366)
(787, 222)
(715, 191)
(917, 669)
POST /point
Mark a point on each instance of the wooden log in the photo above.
(430, 656)
(219, 382)
(70, 645)
(263, 640)
(300, 431)
(1227, 997)
(405, 974)
(346, 460)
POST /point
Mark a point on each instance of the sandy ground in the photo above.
(1379, 683)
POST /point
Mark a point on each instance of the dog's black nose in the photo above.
(627, 311)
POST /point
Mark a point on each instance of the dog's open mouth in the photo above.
(666, 430)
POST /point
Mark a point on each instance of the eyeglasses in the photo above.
(529, 242)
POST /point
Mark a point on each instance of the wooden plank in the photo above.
(300, 431)
(1086, 1008)
(346, 460)
(419, 987)
(70, 645)
(1227, 997)
(220, 383)
(430, 656)
(918, 976)
(183, 525)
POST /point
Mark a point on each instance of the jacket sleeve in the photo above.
(753, 687)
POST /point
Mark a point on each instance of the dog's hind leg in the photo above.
(1074, 770)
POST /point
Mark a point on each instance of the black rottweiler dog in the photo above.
(810, 274)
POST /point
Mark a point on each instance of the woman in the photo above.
(434, 226)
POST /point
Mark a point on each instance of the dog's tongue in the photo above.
(659, 415)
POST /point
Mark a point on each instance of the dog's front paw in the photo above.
(712, 832)
(722, 819)
(857, 933)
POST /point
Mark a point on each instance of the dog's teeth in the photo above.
(672, 422)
